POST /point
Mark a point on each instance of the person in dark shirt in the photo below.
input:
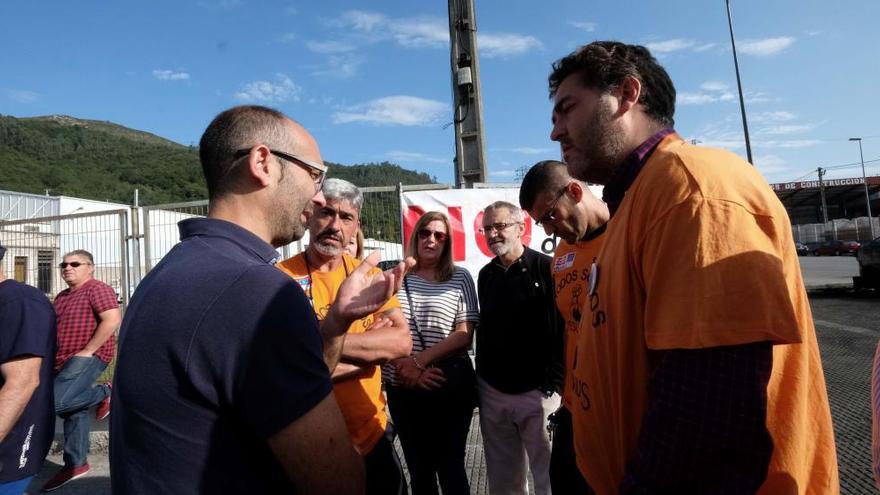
(519, 355)
(223, 378)
(27, 351)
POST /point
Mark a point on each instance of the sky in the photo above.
(372, 82)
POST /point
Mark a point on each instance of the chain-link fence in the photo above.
(35, 247)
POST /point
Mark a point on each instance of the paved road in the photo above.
(848, 332)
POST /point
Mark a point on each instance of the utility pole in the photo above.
(865, 180)
(470, 145)
(822, 194)
(742, 104)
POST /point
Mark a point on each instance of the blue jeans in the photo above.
(75, 393)
(16, 487)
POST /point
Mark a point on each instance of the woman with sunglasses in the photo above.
(431, 393)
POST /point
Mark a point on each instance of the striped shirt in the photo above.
(439, 307)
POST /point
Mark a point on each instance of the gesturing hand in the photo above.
(362, 293)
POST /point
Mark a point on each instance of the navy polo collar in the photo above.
(214, 227)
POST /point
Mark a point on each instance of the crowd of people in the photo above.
(666, 347)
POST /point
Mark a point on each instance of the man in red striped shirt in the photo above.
(87, 317)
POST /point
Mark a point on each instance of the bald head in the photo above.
(237, 129)
(548, 175)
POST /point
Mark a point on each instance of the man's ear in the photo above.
(627, 93)
(258, 165)
(575, 190)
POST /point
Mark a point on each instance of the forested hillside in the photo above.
(104, 161)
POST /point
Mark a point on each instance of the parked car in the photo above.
(836, 248)
(869, 264)
(802, 249)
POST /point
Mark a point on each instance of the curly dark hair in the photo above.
(604, 64)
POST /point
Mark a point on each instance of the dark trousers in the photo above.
(433, 429)
(565, 477)
(384, 473)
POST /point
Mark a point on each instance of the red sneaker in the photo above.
(103, 409)
(65, 476)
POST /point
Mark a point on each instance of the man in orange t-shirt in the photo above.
(369, 342)
(566, 208)
(698, 369)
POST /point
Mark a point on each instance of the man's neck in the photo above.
(320, 263)
(514, 254)
(74, 287)
(3, 278)
(238, 210)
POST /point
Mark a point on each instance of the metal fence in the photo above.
(844, 229)
(36, 246)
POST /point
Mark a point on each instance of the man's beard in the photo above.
(602, 148)
(328, 250)
(501, 248)
(287, 208)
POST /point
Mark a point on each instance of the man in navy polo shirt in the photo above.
(27, 351)
(223, 382)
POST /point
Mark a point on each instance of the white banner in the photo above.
(464, 207)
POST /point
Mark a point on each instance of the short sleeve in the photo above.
(468, 307)
(27, 328)
(284, 373)
(713, 276)
(102, 298)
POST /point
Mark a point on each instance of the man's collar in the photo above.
(629, 169)
(214, 227)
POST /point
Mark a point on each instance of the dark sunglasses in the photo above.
(426, 233)
(75, 264)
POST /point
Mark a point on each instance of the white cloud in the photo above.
(281, 90)
(287, 38)
(786, 129)
(526, 150)
(362, 21)
(771, 164)
(409, 156)
(426, 32)
(695, 98)
(395, 110)
(505, 45)
(669, 46)
(329, 46)
(584, 26)
(704, 47)
(713, 86)
(780, 116)
(170, 75)
(757, 97)
(343, 65)
(791, 143)
(23, 96)
(503, 173)
(766, 47)
(422, 32)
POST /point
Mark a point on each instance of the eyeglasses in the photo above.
(316, 170)
(549, 215)
(487, 229)
(427, 233)
(75, 264)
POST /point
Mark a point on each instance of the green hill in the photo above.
(105, 161)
